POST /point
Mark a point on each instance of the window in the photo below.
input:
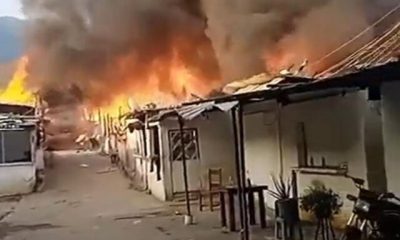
(138, 143)
(155, 152)
(15, 146)
(190, 140)
(155, 142)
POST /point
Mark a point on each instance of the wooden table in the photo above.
(231, 191)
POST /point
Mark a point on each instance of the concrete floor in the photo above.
(80, 203)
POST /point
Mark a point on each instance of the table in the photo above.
(231, 191)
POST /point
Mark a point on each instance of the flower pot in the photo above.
(323, 213)
(287, 209)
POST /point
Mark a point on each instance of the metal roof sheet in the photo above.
(190, 112)
(382, 50)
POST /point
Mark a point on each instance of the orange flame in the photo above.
(16, 92)
(181, 85)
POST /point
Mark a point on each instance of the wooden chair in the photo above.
(214, 186)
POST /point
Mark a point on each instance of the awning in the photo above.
(190, 112)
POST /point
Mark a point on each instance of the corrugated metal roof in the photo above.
(190, 112)
(253, 84)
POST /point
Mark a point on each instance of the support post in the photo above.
(188, 217)
(144, 157)
(243, 194)
(237, 163)
(237, 123)
(280, 146)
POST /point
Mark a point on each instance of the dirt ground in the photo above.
(81, 200)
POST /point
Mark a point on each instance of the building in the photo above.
(151, 150)
(21, 150)
(343, 121)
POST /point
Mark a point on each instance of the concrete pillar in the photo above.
(391, 133)
(374, 147)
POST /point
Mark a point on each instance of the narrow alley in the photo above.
(82, 200)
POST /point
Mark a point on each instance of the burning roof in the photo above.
(381, 50)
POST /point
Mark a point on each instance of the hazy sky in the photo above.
(11, 8)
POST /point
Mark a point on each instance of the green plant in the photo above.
(321, 201)
(282, 187)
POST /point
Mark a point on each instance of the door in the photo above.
(192, 156)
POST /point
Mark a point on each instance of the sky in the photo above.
(11, 8)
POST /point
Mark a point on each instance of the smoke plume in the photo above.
(106, 48)
(252, 36)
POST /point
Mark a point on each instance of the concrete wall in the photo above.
(334, 130)
(17, 179)
(138, 167)
(216, 145)
(391, 133)
(20, 178)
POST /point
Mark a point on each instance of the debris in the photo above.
(177, 213)
(12, 198)
(107, 170)
(127, 218)
(161, 229)
(5, 214)
(225, 230)
(143, 215)
(84, 165)
(60, 201)
(74, 203)
(136, 222)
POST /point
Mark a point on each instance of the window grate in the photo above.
(190, 140)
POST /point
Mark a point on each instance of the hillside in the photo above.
(11, 38)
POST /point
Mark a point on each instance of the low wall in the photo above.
(17, 179)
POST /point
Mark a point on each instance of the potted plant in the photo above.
(286, 206)
(322, 202)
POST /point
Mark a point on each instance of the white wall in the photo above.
(138, 167)
(20, 178)
(17, 179)
(334, 130)
(134, 163)
(391, 133)
(261, 147)
(157, 186)
(216, 145)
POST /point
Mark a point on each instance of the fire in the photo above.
(177, 83)
(117, 107)
(16, 92)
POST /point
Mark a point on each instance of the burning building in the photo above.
(168, 51)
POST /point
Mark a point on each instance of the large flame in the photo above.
(182, 84)
(16, 92)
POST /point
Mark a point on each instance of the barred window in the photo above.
(15, 146)
(190, 139)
